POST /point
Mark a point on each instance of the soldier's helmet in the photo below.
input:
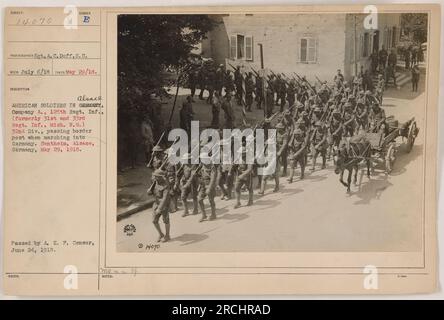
(347, 90)
(318, 124)
(379, 76)
(351, 97)
(185, 156)
(159, 173)
(361, 102)
(347, 105)
(157, 149)
(280, 125)
(317, 108)
(343, 100)
(298, 132)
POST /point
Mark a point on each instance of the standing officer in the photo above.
(249, 88)
(244, 177)
(162, 198)
(319, 144)
(227, 106)
(188, 184)
(238, 83)
(219, 79)
(297, 147)
(259, 92)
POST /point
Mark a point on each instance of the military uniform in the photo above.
(244, 178)
(162, 198)
(348, 120)
(319, 144)
(188, 185)
(281, 157)
(249, 88)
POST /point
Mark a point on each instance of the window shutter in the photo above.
(311, 50)
(317, 50)
(233, 46)
(249, 48)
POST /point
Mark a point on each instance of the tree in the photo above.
(149, 47)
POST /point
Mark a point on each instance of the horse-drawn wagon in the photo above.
(374, 148)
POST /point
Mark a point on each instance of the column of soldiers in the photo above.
(310, 123)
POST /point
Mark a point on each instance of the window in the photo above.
(233, 47)
(394, 37)
(241, 47)
(249, 48)
(308, 50)
(352, 49)
(366, 45)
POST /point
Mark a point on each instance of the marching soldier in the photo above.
(259, 93)
(188, 185)
(207, 176)
(244, 177)
(249, 88)
(162, 198)
(210, 84)
(225, 174)
(297, 145)
(319, 144)
(238, 83)
(173, 181)
(349, 120)
(270, 101)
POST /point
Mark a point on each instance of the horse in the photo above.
(351, 152)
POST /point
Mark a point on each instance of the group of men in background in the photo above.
(310, 121)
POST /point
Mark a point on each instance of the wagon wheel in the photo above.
(390, 158)
(411, 136)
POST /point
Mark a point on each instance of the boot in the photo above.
(238, 203)
(263, 185)
(213, 211)
(167, 233)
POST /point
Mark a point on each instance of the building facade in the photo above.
(308, 44)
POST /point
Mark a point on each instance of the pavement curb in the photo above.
(143, 206)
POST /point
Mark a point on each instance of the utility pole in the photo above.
(264, 77)
(354, 44)
(261, 51)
